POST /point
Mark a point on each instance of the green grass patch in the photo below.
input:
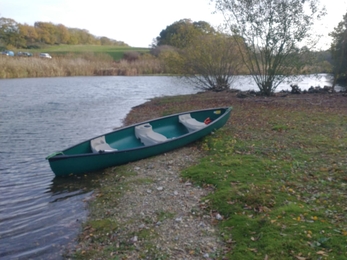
(281, 186)
(116, 52)
(163, 215)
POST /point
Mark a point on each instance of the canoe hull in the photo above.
(74, 161)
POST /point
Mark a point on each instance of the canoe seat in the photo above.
(190, 123)
(147, 136)
(99, 145)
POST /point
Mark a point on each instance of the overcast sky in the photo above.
(135, 22)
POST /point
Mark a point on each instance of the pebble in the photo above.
(178, 219)
(160, 188)
(202, 224)
(219, 217)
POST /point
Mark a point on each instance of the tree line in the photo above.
(270, 40)
(24, 36)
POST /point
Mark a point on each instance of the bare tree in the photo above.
(273, 32)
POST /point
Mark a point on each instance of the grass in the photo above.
(279, 179)
(116, 52)
(277, 170)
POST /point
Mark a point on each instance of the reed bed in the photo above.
(84, 65)
(134, 68)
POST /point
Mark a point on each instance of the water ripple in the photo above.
(40, 215)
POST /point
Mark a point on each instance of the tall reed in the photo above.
(70, 65)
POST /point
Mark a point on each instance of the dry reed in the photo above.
(86, 65)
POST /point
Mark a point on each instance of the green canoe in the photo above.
(138, 141)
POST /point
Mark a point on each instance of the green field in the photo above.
(116, 52)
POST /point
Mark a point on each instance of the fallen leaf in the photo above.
(300, 258)
(321, 253)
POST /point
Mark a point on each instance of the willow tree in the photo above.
(201, 54)
(211, 61)
(273, 32)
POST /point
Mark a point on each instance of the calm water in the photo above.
(40, 215)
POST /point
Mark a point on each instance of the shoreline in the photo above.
(147, 210)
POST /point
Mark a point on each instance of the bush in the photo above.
(131, 56)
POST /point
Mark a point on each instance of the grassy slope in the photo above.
(116, 52)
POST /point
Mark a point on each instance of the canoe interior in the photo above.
(125, 138)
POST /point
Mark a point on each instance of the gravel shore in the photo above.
(159, 215)
(168, 207)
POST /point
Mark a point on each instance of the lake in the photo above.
(40, 215)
